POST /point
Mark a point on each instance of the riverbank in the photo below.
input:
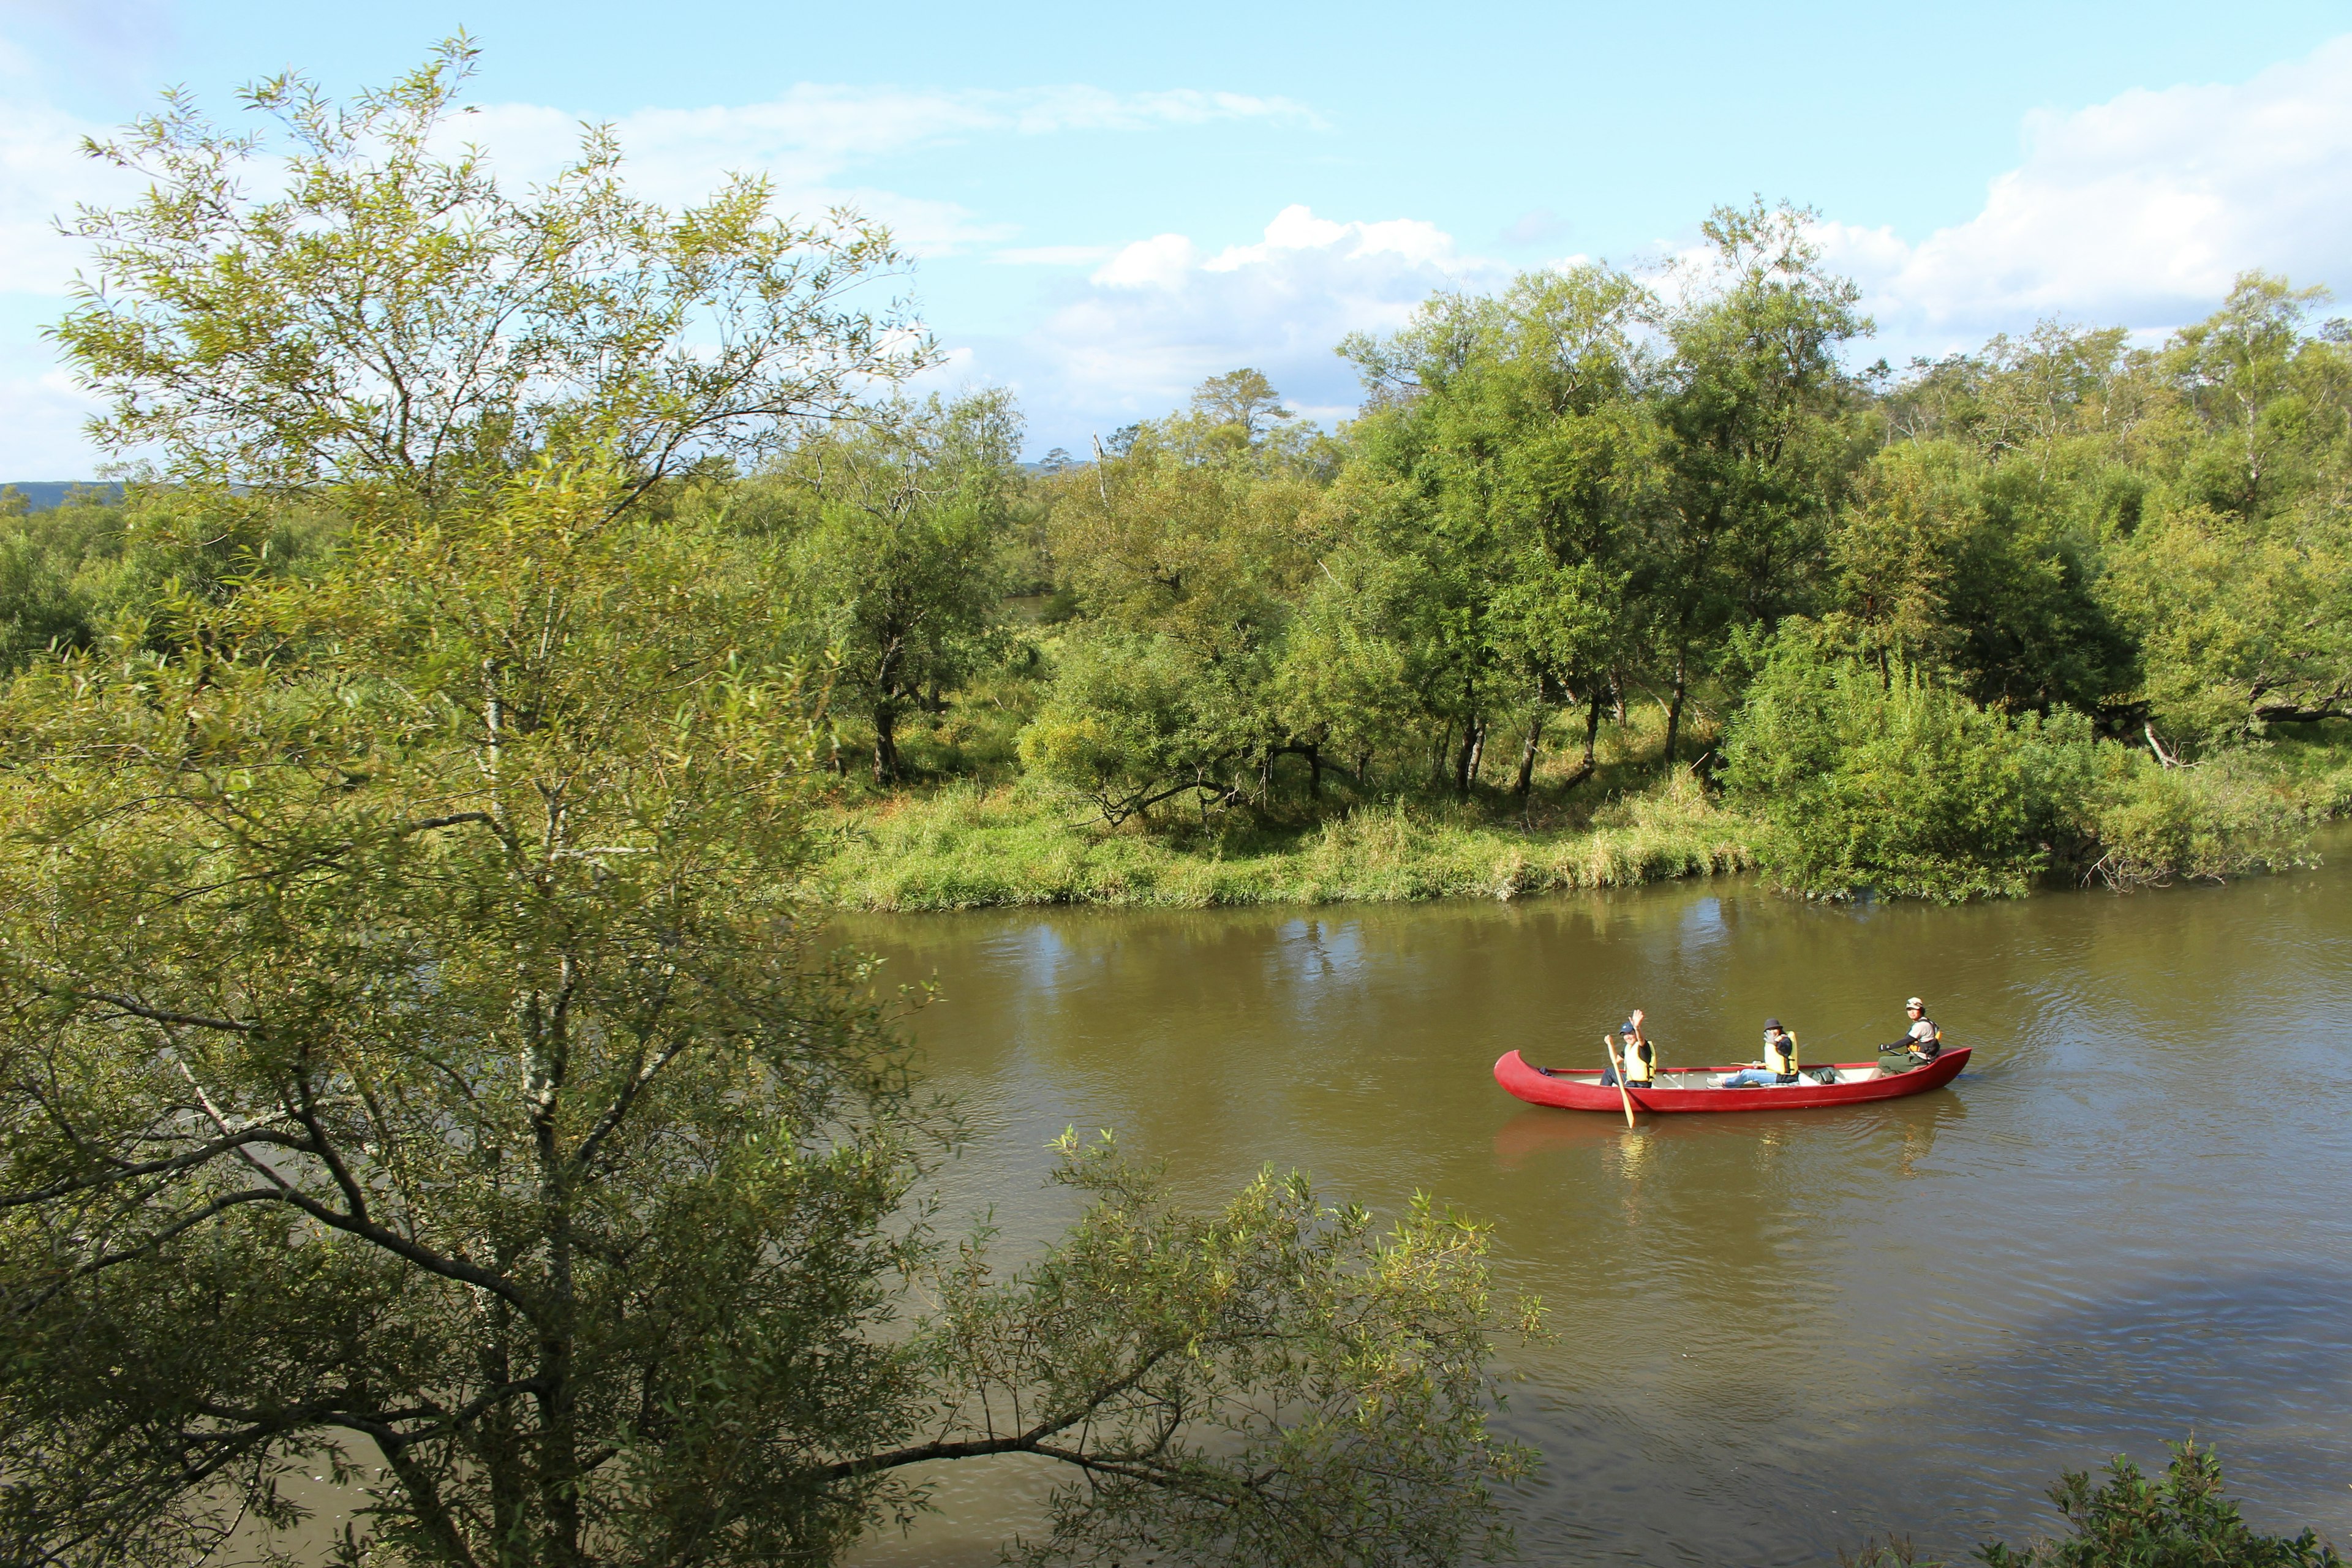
(966, 845)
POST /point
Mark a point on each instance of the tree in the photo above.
(1244, 399)
(1898, 783)
(414, 1067)
(395, 319)
(1510, 464)
(900, 570)
(1750, 401)
(1196, 542)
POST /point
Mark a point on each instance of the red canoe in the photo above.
(1694, 1089)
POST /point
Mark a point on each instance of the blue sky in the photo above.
(1111, 203)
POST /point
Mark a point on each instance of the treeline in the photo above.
(2060, 601)
(1934, 630)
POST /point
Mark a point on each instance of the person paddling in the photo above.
(1779, 1063)
(1921, 1043)
(1634, 1050)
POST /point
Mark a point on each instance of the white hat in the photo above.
(1915, 1002)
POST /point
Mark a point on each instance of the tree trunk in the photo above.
(885, 742)
(1592, 738)
(1527, 756)
(1314, 770)
(1466, 761)
(1674, 707)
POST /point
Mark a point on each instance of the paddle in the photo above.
(1609, 1043)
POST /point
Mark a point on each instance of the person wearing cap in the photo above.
(1779, 1065)
(1633, 1049)
(1921, 1043)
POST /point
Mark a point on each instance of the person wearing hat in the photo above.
(1921, 1043)
(1779, 1065)
(1635, 1051)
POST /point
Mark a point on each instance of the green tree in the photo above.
(1242, 399)
(394, 318)
(900, 570)
(414, 1067)
(1504, 469)
(1751, 399)
(1196, 543)
(1898, 783)
(69, 573)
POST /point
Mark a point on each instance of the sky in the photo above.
(1108, 205)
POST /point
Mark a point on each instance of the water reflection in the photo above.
(2129, 1219)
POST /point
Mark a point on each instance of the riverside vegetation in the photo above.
(1613, 578)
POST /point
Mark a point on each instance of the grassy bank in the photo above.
(965, 846)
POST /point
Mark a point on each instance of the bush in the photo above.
(1860, 777)
(2236, 812)
(2177, 1519)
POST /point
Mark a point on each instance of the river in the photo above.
(2129, 1220)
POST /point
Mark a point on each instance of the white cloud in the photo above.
(2140, 211)
(1161, 313)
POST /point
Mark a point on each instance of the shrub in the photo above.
(2177, 1519)
(1860, 777)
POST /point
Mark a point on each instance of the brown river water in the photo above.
(2129, 1220)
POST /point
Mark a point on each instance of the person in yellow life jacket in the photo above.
(1634, 1050)
(1779, 1063)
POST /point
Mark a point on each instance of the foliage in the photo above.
(1898, 782)
(395, 319)
(1589, 500)
(411, 1042)
(898, 574)
(2177, 1520)
(407, 1044)
(1273, 1383)
(414, 1044)
(69, 573)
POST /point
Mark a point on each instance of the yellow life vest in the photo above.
(1781, 1057)
(1641, 1063)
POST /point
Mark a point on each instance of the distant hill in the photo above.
(40, 495)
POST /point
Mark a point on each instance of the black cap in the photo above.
(1626, 1027)
(1771, 1023)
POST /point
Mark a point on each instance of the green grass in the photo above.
(965, 846)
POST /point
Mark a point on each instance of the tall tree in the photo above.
(1511, 464)
(415, 1066)
(901, 568)
(1749, 398)
(415, 1071)
(394, 317)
